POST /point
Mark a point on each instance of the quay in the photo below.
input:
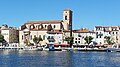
(60, 48)
(16, 48)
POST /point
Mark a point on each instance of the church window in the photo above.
(65, 17)
(54, 26)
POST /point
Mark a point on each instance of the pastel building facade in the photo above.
(112, 31)
(80, 34)
(51, 31)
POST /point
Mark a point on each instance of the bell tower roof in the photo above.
(67, 9)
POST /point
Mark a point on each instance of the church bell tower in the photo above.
(67, 19)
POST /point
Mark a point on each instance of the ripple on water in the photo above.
(14, 58)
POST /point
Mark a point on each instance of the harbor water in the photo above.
(20, 58)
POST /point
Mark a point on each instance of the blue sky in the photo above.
(86, 13)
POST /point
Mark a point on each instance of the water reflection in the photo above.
(15, 58)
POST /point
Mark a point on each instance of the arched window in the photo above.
(54, 26)
(32, 26)
(65, 17)
(40, 26)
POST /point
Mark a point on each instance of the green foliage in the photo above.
(109, 40)
(88, 39)
(36, 40)
(1, 38)
(69, 40)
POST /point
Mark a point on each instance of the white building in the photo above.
(80, 34)
(10, 34)
(47, 29)
(112, 31)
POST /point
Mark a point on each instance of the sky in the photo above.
(86, 13)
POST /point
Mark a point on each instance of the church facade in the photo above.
(50, 31)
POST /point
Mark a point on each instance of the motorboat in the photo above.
(114, 48)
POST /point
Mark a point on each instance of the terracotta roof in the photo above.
(67, 9)
(83, 30)
(113, 27)
(44, 22)
(106, 26)
(35, 29)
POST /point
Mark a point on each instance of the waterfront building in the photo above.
(80, 34)
(51, 31)
(112, 31)
(10, 34)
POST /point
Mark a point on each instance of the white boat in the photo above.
(32, 48)
(114, 48)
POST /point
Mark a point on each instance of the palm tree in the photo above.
(88, 39)
(109, 40)
(36, 40)
(69, 40)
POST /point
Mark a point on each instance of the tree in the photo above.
(69, 40)
(109, 40)
(88, 39)
(1, 38)
(36, 40)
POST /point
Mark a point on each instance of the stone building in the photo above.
(51, 31)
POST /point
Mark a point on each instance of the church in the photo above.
(50, 31)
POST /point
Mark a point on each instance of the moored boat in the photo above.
(32, 48)
(114, 48)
